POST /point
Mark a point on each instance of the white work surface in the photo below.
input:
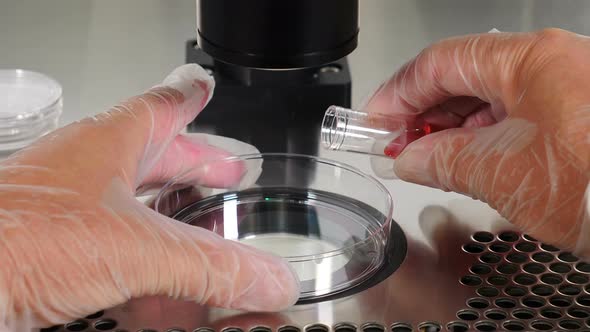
(103, 51)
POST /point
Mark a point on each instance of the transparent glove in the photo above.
(74, 240)
(513, 113)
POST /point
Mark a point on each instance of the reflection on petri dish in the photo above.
(331, 225)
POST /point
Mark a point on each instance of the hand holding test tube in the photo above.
(511, 113)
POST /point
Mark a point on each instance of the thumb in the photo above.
(436, 160)
(484, 163)
(193, 263)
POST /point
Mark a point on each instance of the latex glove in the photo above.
(74, 240)
(519, 106)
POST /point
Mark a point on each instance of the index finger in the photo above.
(132, 137)
(484, 66)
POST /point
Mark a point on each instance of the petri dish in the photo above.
(30, 107)
(330, 221)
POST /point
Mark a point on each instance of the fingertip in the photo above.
(383, 167)
(413, 164)
(273, 285)
(212, 166)
(194, 161)
(435, 159)
(190, 78)
(241, 171)
(480, 118)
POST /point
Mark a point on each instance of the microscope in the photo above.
(277, 65)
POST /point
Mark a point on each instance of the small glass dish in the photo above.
(30, 107)
(330, 221)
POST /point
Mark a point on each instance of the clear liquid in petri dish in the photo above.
(331, 241)
(283, 245)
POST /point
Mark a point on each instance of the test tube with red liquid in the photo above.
(344, 129)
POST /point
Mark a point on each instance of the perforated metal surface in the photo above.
(520, 284)
(510, 282)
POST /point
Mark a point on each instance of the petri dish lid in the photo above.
(30, 106)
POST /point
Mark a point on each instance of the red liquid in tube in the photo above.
(397, 145)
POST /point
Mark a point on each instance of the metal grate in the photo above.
(518, 284)
(93, 322)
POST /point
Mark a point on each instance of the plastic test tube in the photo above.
(369, 133)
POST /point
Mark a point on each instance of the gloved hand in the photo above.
(518, 109)
(74, 240)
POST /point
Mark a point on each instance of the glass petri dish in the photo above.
(30, 106)
(330, 221)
